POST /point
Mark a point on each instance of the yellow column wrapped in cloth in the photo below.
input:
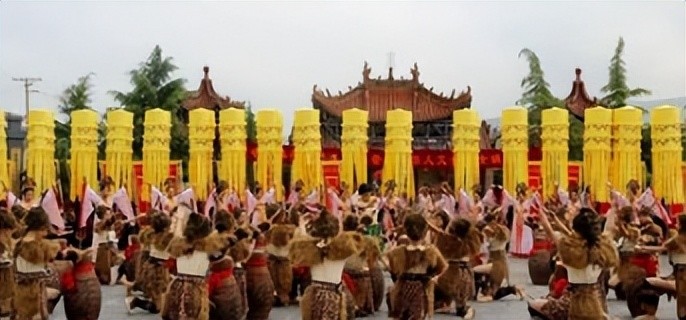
(598, 151)
(665, 132)
(515, 144)
(626, 147)
(156, 141)
(555, 148)
(84, 151)
(269, 125)
(40, 153)
(201, 133)
(119, 151)
(398, 151)
(354, 147)
(233, 135)
(4, 159)
(466, 125)
(307, 163)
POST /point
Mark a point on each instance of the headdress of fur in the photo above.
(415, 226)
(224, 221)
(37, 220)
(7, 221)
(351, 223)
(326, 226)
(159, 221)
(626, 214)
(197, 227)
(100, 211)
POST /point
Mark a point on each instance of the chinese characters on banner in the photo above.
(573, 174)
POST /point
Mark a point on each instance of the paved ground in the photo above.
(509, 308)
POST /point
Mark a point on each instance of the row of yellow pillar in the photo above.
(611, 148)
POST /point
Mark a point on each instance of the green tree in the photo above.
(576, 139)
(537, 96)
(617, 90)
(154, 87)
(75, 97)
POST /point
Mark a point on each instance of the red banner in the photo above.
(174, 172)
(331, 170)
(573, 175)
(534, 175)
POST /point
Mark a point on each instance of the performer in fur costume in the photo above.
(417, 267)
(187, 296)
(103, 241)
(325, 251)
(32, 254)
(153, 278)
(676, 247)
(458, 245)
(358, 268)
(259, 285)
(585, 252)
(278, 238)
(7, 227)
(80, 286)
(227, 299)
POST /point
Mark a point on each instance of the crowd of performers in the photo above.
(326, 250)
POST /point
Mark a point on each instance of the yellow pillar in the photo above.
(156, 141)
(118, 152)
(398, 151)
(233, 135)
(354, 147)
(307, 161)
(83, 162)
(626, 147)
(4, 156)
(40, 153)
(466, 125)
(598, 152)
(515, 145)
(201, 133)
(269, 125)
(555, 149)
(665, 133)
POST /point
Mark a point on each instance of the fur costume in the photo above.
(240, 253)
(226, 302)
(30, 292)
(154, 277)
(7, 226)
(187, 295)
(280, 269)
(81, 288)
(325, 300)
(259, 285)
(498, 235)
(676, 246)
(104, 259)
(411, 297)
(587, 301)
(358, 268)
(457, 283)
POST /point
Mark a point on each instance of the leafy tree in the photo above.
(617, 90)
(154, 87)
(536, 97)
(250, 127)
(576, 139)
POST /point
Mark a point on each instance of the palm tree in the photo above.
(154, 87)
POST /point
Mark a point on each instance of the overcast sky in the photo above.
(271, 54)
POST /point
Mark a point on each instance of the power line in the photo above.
(28, 82)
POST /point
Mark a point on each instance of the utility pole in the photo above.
(28, 82)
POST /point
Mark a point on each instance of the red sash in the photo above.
(217, 277)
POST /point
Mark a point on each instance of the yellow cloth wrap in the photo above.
(83, 163)
(555, 149)
(626, 147)
(40, 153)
(233, 135)
(118, 153)
(466, 126)
(665, 133)
(4, 157)
(307, 158)
(354, 147)
(515, 145)
(597, 151)
(156, 141)
(269, 125)
(201, 133)
(397, 164)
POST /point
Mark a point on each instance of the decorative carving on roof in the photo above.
(380, 95)
(206, 97)
(578, 100)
